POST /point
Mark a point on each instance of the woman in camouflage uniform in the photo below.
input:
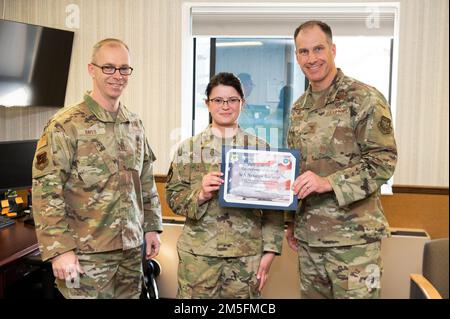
(223, 252)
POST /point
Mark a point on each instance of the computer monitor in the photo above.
(16, 161)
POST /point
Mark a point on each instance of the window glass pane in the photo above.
(366, 59)
(202, 58)
(271, 80)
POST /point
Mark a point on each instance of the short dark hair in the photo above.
(311, 23)
(224, 78)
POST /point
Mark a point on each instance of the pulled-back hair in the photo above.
(225, 78)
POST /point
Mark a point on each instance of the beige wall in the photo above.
(152, 28)
(149, 27)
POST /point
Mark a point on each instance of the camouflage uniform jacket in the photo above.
(93, 185)
(346, 136)
(211, 230)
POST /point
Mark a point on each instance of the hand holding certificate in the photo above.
(259, 178)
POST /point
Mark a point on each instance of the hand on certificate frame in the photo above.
(210, 184)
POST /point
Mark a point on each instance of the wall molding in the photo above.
(160, 178)
(413, 189)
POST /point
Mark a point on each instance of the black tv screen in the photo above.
(34, 64)
(16, 162)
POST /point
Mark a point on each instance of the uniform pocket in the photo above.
(356, 271)
(94, 163)
(197, 172)
(357, 276)
(134, 151)
(319, 140)
(344, 142)
(253, 289)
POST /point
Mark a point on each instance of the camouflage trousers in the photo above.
(204, 277)
(340, 272)
(114, 274)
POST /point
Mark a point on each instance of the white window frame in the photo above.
(187, 58)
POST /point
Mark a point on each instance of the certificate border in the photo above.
(223, 203)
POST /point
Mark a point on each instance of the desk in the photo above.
(16, 241)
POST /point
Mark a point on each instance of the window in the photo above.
(269, 75)
(255, 40)
(272, 79)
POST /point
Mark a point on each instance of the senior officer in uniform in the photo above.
(343, 129)
(94, 194)
(223, 252)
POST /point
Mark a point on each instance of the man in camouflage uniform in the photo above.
(343, 129)
(94, 194)
(223, 252)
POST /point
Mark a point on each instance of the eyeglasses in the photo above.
(109, 69)
(218, 101)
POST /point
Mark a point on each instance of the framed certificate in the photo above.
(259, 178)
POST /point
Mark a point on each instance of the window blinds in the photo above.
(282, 20)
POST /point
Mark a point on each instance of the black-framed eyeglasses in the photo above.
(218, 101)
(109, 69)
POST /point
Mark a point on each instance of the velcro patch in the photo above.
(42, 142)
(41, 161)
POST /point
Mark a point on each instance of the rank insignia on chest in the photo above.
(41, 161)
(385, 125)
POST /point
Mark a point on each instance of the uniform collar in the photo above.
(327, 97)
(101, 114)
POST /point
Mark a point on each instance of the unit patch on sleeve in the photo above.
(41, 161)
(385, 125)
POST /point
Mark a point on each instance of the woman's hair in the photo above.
(224, 78)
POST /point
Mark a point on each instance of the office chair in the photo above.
(151, 269)
(45, 286)
(433, 283)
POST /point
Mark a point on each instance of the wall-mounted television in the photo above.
(34, 64)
